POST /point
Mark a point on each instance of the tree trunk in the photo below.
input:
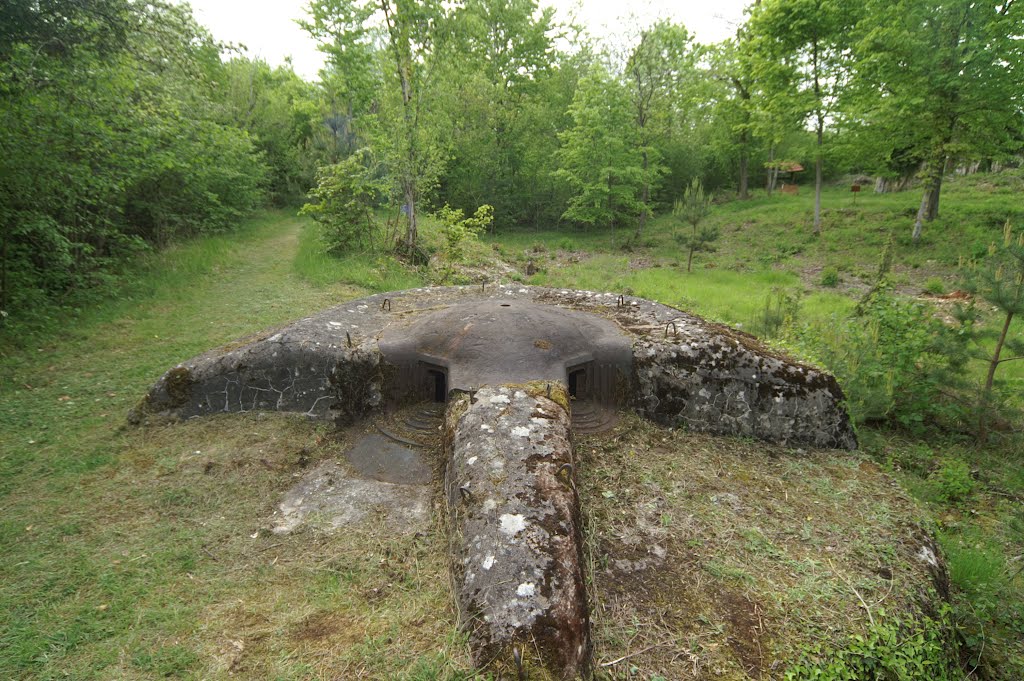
(744, 194)
(818, 179)
(645, 195)
(921, 212)
(773, 172)
(403, 64)
(933, 198)
(820, 130)
(409, 192)
(4, 292)
(930, 198)
(986, 393)
(689, 260)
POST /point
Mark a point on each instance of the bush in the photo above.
(343, 202)
(829, 277)
(935, 286)
(895, 360)
(952, 481)
(781, 308)
(459, 230)
(890, 649)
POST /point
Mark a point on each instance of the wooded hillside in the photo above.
(125, 126)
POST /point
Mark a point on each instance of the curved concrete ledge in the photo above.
(352, 359)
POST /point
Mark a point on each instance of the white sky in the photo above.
(268, 29)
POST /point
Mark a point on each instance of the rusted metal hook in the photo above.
(675, 331)
(348, 336)
(621, 302)
(386, 304)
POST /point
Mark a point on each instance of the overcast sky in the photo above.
(267, 27)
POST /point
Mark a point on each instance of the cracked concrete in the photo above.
(684, 371)
(510, 478)
(512, 500)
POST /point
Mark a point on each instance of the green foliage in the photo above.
(599, 161)
(277, 109)
(693, 208)
(458, 230)
(935, 286)
(952, 481)
(111, 140)
(949, 70)
(829, 277)
(781, 310)
(896, 361)
(892, 648)
(999, 281)
(343, 203)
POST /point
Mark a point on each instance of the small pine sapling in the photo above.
(999, 281)
(693, 208)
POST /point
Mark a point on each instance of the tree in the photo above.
(343, 203)
(803, 45)
(943, 78)
(112, 139)
(661, 58)
(498, 66)
(275, 107)
(693, 208)
(999, 281)
(402, 129)
(599, 160)
(738, 101)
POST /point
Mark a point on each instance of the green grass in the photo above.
(107, 531)
(375, 272)
(123, 557)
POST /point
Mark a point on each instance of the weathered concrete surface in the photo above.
(307, 367)
(510, 340)
(516, 525)
(329, 497)
(710, 378)
(376, 457)
(684, 371)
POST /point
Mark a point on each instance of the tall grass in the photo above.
(376, 272)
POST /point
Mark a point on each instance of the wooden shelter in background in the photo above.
(787, 170)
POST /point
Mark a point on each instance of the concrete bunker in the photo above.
(496, 342)
(518, 368)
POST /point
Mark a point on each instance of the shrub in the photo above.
(781, 308)
(829, 277)
(935, 286)
(342, 203)
(459, 230)
(952, 481)
(890, 649)
(895, 360)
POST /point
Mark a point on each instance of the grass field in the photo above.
(129, 553)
